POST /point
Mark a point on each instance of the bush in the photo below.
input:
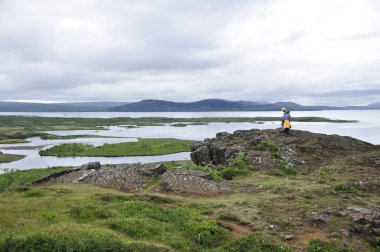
(239, 167)
(284, 168)
(349, 187)
(268, 145)
(206, 233)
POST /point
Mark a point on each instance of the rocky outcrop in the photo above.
(71, 175)
(130, 179)
(218, 150)
(266, 148)
(192, 182)
(136, 176)
(367, 221)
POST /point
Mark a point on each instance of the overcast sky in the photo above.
(306, 51)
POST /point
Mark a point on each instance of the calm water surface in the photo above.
(367, 130)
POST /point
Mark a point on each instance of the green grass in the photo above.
(17, 180)
(88, 218)
(143, 147)
(13, 141)
(288, 168)
(320, 246)
(6, 158)
(80, 217)
(238, 167)
(255, 242)
(349, 187)
(268, 145)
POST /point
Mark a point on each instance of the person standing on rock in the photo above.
(286, 122)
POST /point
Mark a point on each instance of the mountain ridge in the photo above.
(215, 105)
(153, 105)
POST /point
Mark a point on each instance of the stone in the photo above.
(320, 218)
(201, 156)
(366, 220)
(159, 169)
(91, 165)
(192, 182)
(360, 210)
(341, 214)
(272, 227)
(289, 237)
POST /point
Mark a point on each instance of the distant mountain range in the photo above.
(222, 105)
(167, 106)
(374, 105)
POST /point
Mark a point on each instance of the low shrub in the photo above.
(239, 167)
(349, 187)
(206, 233)
(268, 145)
(287, 168)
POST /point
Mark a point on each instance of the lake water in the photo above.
(367, 130)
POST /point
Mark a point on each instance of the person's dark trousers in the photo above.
(286, 131)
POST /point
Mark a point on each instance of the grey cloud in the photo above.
(183, 50)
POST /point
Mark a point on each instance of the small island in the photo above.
(143, 147)
(7, 158)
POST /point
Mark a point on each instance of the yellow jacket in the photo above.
(287, 124)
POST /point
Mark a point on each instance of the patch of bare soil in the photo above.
(299, 241)
(237, 229)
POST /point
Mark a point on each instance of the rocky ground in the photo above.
(301, 187)
(266, 148)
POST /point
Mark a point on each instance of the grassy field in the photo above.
(143, 147)
(6, 158)
(80, 217)
(88, 218)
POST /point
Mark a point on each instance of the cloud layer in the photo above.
(310, 52)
